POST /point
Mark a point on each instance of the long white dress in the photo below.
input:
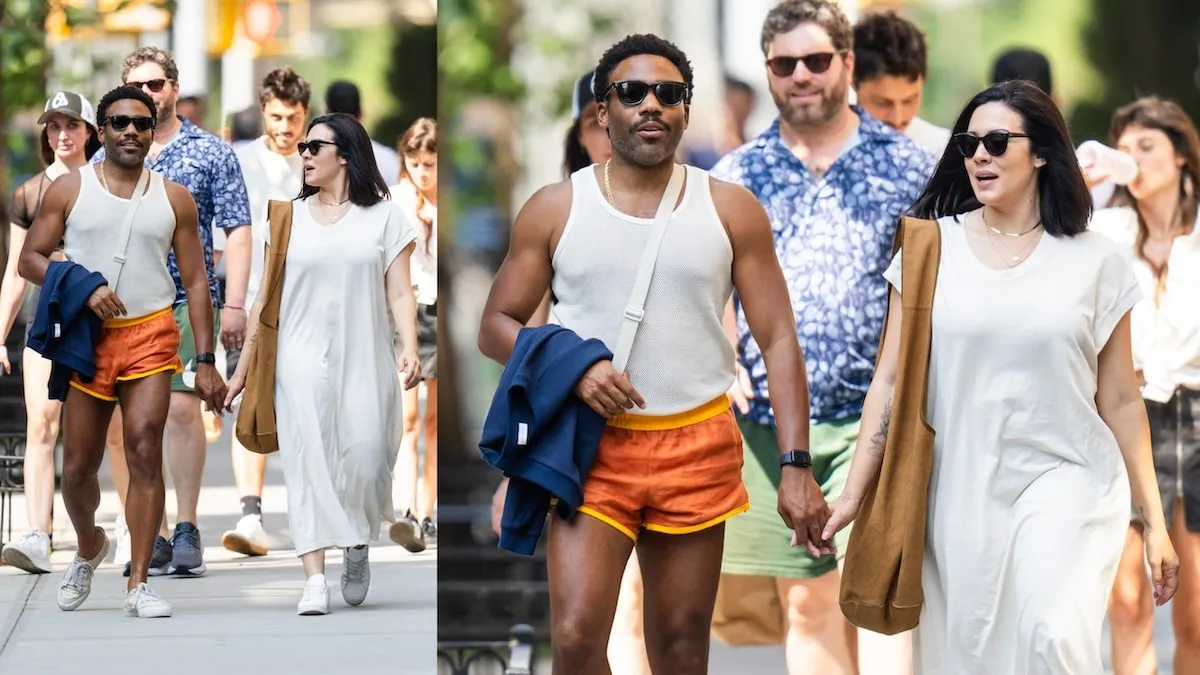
(337, 401)
(1029, 497)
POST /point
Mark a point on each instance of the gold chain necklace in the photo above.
(608, 185)
(1015, 259)
(104, 181)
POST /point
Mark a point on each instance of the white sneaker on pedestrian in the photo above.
(248, 537)
(77, 582)
(30, 553)
(124, 551)
(356, 576)
(144, 603)
(316, 597)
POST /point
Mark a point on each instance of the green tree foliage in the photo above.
(412, 79)
(1142, 49)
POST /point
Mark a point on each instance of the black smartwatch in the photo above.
(207, 357)
(799, 458)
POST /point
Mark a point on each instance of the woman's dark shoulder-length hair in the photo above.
(367, 187)
(1066, 204)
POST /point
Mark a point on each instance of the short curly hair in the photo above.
(122, 93)
(637, 45)
(285, 85)
(784, 17)
(886, 44)
(151, 54)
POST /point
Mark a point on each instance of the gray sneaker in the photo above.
(356, 576)
(77, 582)
(187, 554)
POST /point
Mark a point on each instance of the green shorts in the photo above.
(758, 543)
(187, 346)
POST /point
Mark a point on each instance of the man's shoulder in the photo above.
(207, 144)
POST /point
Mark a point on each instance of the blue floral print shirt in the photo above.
(834, 241)
(208, 168)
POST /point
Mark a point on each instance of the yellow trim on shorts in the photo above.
(696, 415)
(155, 371)
(93, 394)
(692, 529)
(125, 323)
(608, 521)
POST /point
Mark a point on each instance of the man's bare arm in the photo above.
(189, 255)
(49, 226)
(524, 276)
(763, 292)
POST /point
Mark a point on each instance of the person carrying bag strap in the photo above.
(256, 429)
(881, 580)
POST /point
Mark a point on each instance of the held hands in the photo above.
(608, 392)
(1164, 565)
(106, 304)
(845, 510)
(410, 367)
(236, 384)
(804, 511)
(210, 388)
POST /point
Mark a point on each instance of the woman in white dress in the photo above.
(1041, 433)
(1153, 220)
(417, 193)
(337, 395)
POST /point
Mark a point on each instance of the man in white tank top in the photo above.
(138, 349)
(667, 474)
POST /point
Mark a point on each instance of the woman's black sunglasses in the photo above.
(312, 147)
(122, 122)
(784, 66)
(633, 92)
(994, 142)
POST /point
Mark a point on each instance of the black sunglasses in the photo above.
(154, 85)
(122, 122)
(633, 92)
(784, 66)
(994, 142)
(313, 147)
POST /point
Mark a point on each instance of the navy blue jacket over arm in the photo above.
(65, 330)
(539, 433)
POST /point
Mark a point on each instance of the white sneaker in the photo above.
(356, 576)
(144, 603)
(124, 548)
(77, 582)
(30, 553)
(316, 598)
(247, 538)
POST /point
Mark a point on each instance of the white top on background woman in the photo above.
(337, 397)
(67, 141)
(1041, 435)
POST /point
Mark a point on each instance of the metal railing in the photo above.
(462, 656)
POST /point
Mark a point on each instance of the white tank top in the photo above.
(681, 357)
(93, 227)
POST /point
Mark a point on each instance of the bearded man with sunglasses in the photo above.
(123, 221)
(667, 473)
(835, 182)
(209, 169)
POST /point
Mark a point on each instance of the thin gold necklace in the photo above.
(1008, 234)
(1015, 259)
(608, 184)
(333, 203)
(104, 181)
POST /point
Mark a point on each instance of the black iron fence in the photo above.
(515, 656)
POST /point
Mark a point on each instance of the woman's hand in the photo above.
(234, 387)
(410, 367)
(1164, 565)
(845, 510)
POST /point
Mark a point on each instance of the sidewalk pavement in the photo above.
(239, 618)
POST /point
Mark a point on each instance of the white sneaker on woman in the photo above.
(30, 553)
(315, 601)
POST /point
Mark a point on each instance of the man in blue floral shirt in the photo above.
(835, 182)
(208, 168)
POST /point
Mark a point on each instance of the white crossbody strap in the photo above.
(139, 193)
(641, 286)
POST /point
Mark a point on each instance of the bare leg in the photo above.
(249, 469)
(681, 574)
(879, 654)
(314, 563)
(429, 478)
(1131, 611)
(627, 640)
(817, 637)
(145, 402)
(585, 560)
(41, 437)
(1185, 607)
(185, 453)
(119, 467)
(406, 460)
(83, 452)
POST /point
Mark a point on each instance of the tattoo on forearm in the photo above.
(847, 497)
(879, 440)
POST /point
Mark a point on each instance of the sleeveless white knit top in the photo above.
(681, 357)
(91, 239)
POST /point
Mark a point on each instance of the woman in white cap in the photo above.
(68, 140)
